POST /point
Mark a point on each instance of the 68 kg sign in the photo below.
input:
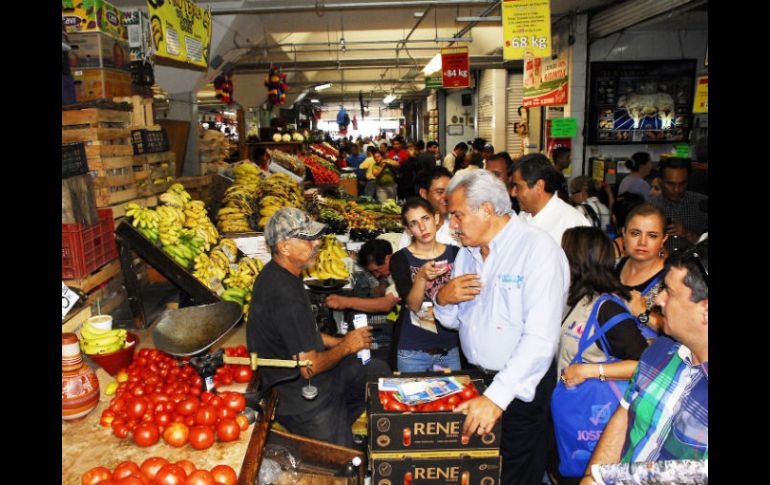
(524, 42)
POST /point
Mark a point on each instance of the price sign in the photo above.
(564, 128)
(455, 67)
(701, 104)
(68, 299)
(526, 29)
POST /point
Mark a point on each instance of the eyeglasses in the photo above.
(691, 254)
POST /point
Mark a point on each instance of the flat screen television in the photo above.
(640, 101)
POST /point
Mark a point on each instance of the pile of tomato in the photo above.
(156, 398)
(447, 403)
(157, 470)
(322, 174)
(229, 373)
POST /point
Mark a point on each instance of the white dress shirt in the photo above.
(444, 235)
(513, 325)
(449, 162)
(556, 217)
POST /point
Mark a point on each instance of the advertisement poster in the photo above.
(545, 82)
(455, 67)
(181, 32)
(640, 101)
(526, 29)
(701, 95)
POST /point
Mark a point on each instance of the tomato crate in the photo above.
(86, 248)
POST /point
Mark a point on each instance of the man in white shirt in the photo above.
(450, 161)
(584, 193)
(433, 185)
(535, 182)
(509, 286)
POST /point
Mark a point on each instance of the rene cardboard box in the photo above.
(93, 16)
(96, 49)
(463, 470)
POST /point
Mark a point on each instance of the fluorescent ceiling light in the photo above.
(321, 87)
(301, 96)
(315, 100)
(491, 18)
(388, 99)
(433, 66)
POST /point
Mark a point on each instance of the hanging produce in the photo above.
(275, 82)
(223, 86)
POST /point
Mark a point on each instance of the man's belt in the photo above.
(487, 372)
(436, 351)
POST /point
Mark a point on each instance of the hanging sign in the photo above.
(682, 150)
(545, 82)
(68, 299)
(433, 81)
(181, 32)
(526, 29)
(701, 104)
(455, 67)
(563, 128)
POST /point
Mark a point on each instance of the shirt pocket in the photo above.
(507, 305)
(689, 430)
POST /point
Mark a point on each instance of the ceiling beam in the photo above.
(478, 62)
(322, 7)
(628, 14)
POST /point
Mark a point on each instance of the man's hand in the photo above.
(481, 414)
(676, 229)
(358, 339)
(462, 288)
(336, 302)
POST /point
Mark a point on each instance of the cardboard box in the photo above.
(97, 49)
(93, 16)
(137, 25)
(100, 83)
(436, 433)
(464, 470)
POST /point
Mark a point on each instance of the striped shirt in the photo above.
(668, 410)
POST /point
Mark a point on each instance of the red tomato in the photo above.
(125, 469)
(148, 417)
(200, 477)
(187, 465)
(170, 474)
(151, 465)
(224, 475)
(206, 397)
(120, 430)
(176, 434)
(242, 374)
(131, 424)
(146, 434)
(201, 437)
(228, 430)
(158, 397)
(217, 401)
(136, 407)
(169, 407)
(163, 419)
(242, 421)
(195, 391)
(225, 412)
(132, 480)
(178, 419)
(96, 475)
(138, 391)
(107, 418)
(226, 379)
(206, 415)
(234, 401)
(189, 420)
(241, 350)
(117, 405)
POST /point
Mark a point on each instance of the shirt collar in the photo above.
(547, 208)
(686, 355)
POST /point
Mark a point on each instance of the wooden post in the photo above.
(131, 281)
(242, 148)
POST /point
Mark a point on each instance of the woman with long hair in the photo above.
(641, 269)
(420, 270)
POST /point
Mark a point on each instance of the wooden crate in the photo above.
(152, 171)
(97, 136)
(95, 118)
(142, 114)
(101, 275)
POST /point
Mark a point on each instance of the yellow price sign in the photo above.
(181, 32)
(701, 104)
(526, 29)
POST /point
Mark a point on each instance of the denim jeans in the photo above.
(419, 361)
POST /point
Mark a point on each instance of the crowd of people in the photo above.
(589, 326)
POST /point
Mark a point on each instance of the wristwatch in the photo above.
(644, 317)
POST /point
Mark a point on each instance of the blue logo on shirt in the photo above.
(518, 280)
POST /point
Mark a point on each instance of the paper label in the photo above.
(68, 300)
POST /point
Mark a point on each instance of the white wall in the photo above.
(454, 107)
(645, 45)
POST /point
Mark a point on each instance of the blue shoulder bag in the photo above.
(580, 413)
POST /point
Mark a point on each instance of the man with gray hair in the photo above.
(281, 325)
(509, 286)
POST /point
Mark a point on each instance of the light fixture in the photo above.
(321, 87)
(491, 18)
(315, 100)
(388, 99)
(301, 96)
(342, 44)
(433, 66)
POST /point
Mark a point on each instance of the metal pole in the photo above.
(311, 7)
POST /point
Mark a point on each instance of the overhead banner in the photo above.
(701, 95)
(545, 82)
(181, 32)
(455, 67)
(526, 29)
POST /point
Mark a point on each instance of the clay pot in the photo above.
(79, 384)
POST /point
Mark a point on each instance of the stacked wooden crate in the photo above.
(110, 156)
(213, 148)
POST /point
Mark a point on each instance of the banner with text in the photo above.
(526, 29)
(181, 32)
(455, 67)
(545, 82)
(701, 104)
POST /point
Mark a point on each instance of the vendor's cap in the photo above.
(488, 147)
(289, 222)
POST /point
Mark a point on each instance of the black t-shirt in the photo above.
(403, 266)
(641, 286)
(625, 339)
(281, 325)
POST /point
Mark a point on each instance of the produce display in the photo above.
(325, 151)
(229, 373)
(329, 262)
(95, 340)
(333, 220)
(156, 398)
(323, 171)
(275, 192)
(158, 470)
(288, 161)
(238, 204)
(390, 402)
